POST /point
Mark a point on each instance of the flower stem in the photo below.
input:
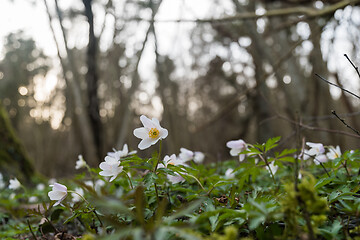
(197, 180)
(159, 156)
(70, 191)
(269, 168)
(346, 169)
(32, 233)
(157, 163)
(132, 187)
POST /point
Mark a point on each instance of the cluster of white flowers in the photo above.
(173, 160)
(111, 167)
(187, 155)
(237, 146)
(317, 152)
(150, 134)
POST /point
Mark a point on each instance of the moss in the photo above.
(14, 161)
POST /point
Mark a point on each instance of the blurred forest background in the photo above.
(211, 71)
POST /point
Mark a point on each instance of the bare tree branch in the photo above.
(337, 86)
(343, 121)
(299, 11)
(356, 68)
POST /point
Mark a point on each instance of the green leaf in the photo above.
(149, 179)
(323, 181)
(255, 222)
(186, 210)
(72, 217)
(180, 233)
(140, 204)
(56, 214)
(271, 143)
(287, 159)
(285, 152)
(333, 196)
(214, 222)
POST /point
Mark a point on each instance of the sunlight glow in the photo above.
(23, 90)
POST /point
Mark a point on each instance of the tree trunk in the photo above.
(92, 79)
(14, 161)
(82, 117)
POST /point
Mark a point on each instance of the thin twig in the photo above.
(317, 128)
(97, 216)
(356, 68)
(298, 144)
(343, 121)
(333, 84)
(327, 117)
(269, 168)
(32, 233)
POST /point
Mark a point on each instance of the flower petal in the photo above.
(106, 173)
(56, 195)
(156, 122)
(59, 187)
(239, 144)
(112, 178)
(235, 151)
(125, 149)
(112, 161)
(145, 143)
(163, 133)
(60, 200)
(141, 133)
(147, 122)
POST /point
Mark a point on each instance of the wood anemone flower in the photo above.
(151, 133)
(58, 193)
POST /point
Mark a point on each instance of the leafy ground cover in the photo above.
(305, 193)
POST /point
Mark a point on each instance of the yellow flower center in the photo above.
(154, 133)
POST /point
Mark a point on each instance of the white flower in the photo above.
(121, 153)
(273, 167)
(12, 196)
(33, 199)
(89, 183)
(150, 133)
(321, 158)
(315, 148)
(52, 181)
(172, 160)
(199, 157)
(58, 193)
(110, 168)
(2, 183)
(80, 163)
(14, 184)
(185, 154)
(237, 146)
(40, 186)
(98, 185)
(229, 173)
(75, 196)
(175, 179)
(334, 152)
